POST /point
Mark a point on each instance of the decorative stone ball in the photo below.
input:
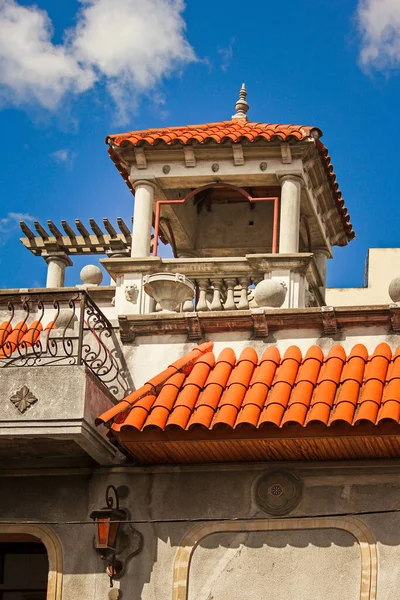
(91, 275)
(394, 289)
(270, 293)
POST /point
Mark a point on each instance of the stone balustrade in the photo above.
(221, 293)
(220, 283)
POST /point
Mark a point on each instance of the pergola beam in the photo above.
(73, 243)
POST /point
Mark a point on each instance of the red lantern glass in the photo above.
(108, 520)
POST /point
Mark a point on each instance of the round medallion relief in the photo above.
(278, 492)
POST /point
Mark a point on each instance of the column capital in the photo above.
(296, 176)
(323, 251)
(138, 182)
(57, 256)
(118, 253)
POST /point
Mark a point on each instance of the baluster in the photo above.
(202, 302)
(230, 299)
(243, 303)
(188, 306)
(216, 303)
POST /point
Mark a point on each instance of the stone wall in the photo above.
(382, 265)
(147, 356)
(193, 549)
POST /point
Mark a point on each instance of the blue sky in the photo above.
(86, 69)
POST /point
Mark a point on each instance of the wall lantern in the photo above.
(108, 521)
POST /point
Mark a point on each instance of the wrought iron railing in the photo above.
(61, 328)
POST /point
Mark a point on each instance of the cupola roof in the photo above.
(237, 130)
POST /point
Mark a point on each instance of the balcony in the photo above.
(219, 290)
(60, 365)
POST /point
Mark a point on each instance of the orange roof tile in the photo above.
(234, 131)
(199, 391)
(20, 337)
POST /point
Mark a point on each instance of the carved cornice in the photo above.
(210, 267)
(259, 323)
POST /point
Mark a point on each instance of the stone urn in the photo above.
(170, 290)
(269, 293)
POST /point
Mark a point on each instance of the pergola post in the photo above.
(56, 265)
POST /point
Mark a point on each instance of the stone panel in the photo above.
(283, 565)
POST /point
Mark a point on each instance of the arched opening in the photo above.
(219, 219)
(30, 563)
(24, 568)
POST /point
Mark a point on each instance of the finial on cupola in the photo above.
(241, 105)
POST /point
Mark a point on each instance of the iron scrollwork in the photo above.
(61, 329)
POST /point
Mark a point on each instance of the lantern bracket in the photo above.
(108, 521)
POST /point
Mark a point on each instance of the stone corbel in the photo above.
(395, 317)
(190, 158)
(260, 324)
(141, 161)
(329, 321)
(126, 330)
(286, 153)
(194, 332)
(238, 156)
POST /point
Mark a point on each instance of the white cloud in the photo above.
(62, 156)
(10, 223)
(131, 45)
(31, 67)
(17, 217)
(379, 26)
(226, 55)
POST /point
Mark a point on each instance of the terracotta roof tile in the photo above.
(291, 390)
(153, 386)
(162, 407)
(233, 131)
(300, 399)
(139, 412)
(20, 337)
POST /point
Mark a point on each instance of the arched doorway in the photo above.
(30, 563)
(24, 568)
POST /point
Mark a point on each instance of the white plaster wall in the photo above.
(285, 565)
(383, 266)
(152, 354)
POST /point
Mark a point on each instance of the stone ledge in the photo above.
(258, 322)
(211, 266)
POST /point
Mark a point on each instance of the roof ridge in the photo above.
(204, 126)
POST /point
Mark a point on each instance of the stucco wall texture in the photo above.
(290, 557)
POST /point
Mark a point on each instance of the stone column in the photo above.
(290, 214)
(142, 218)
(320, 257)
(56, 264)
